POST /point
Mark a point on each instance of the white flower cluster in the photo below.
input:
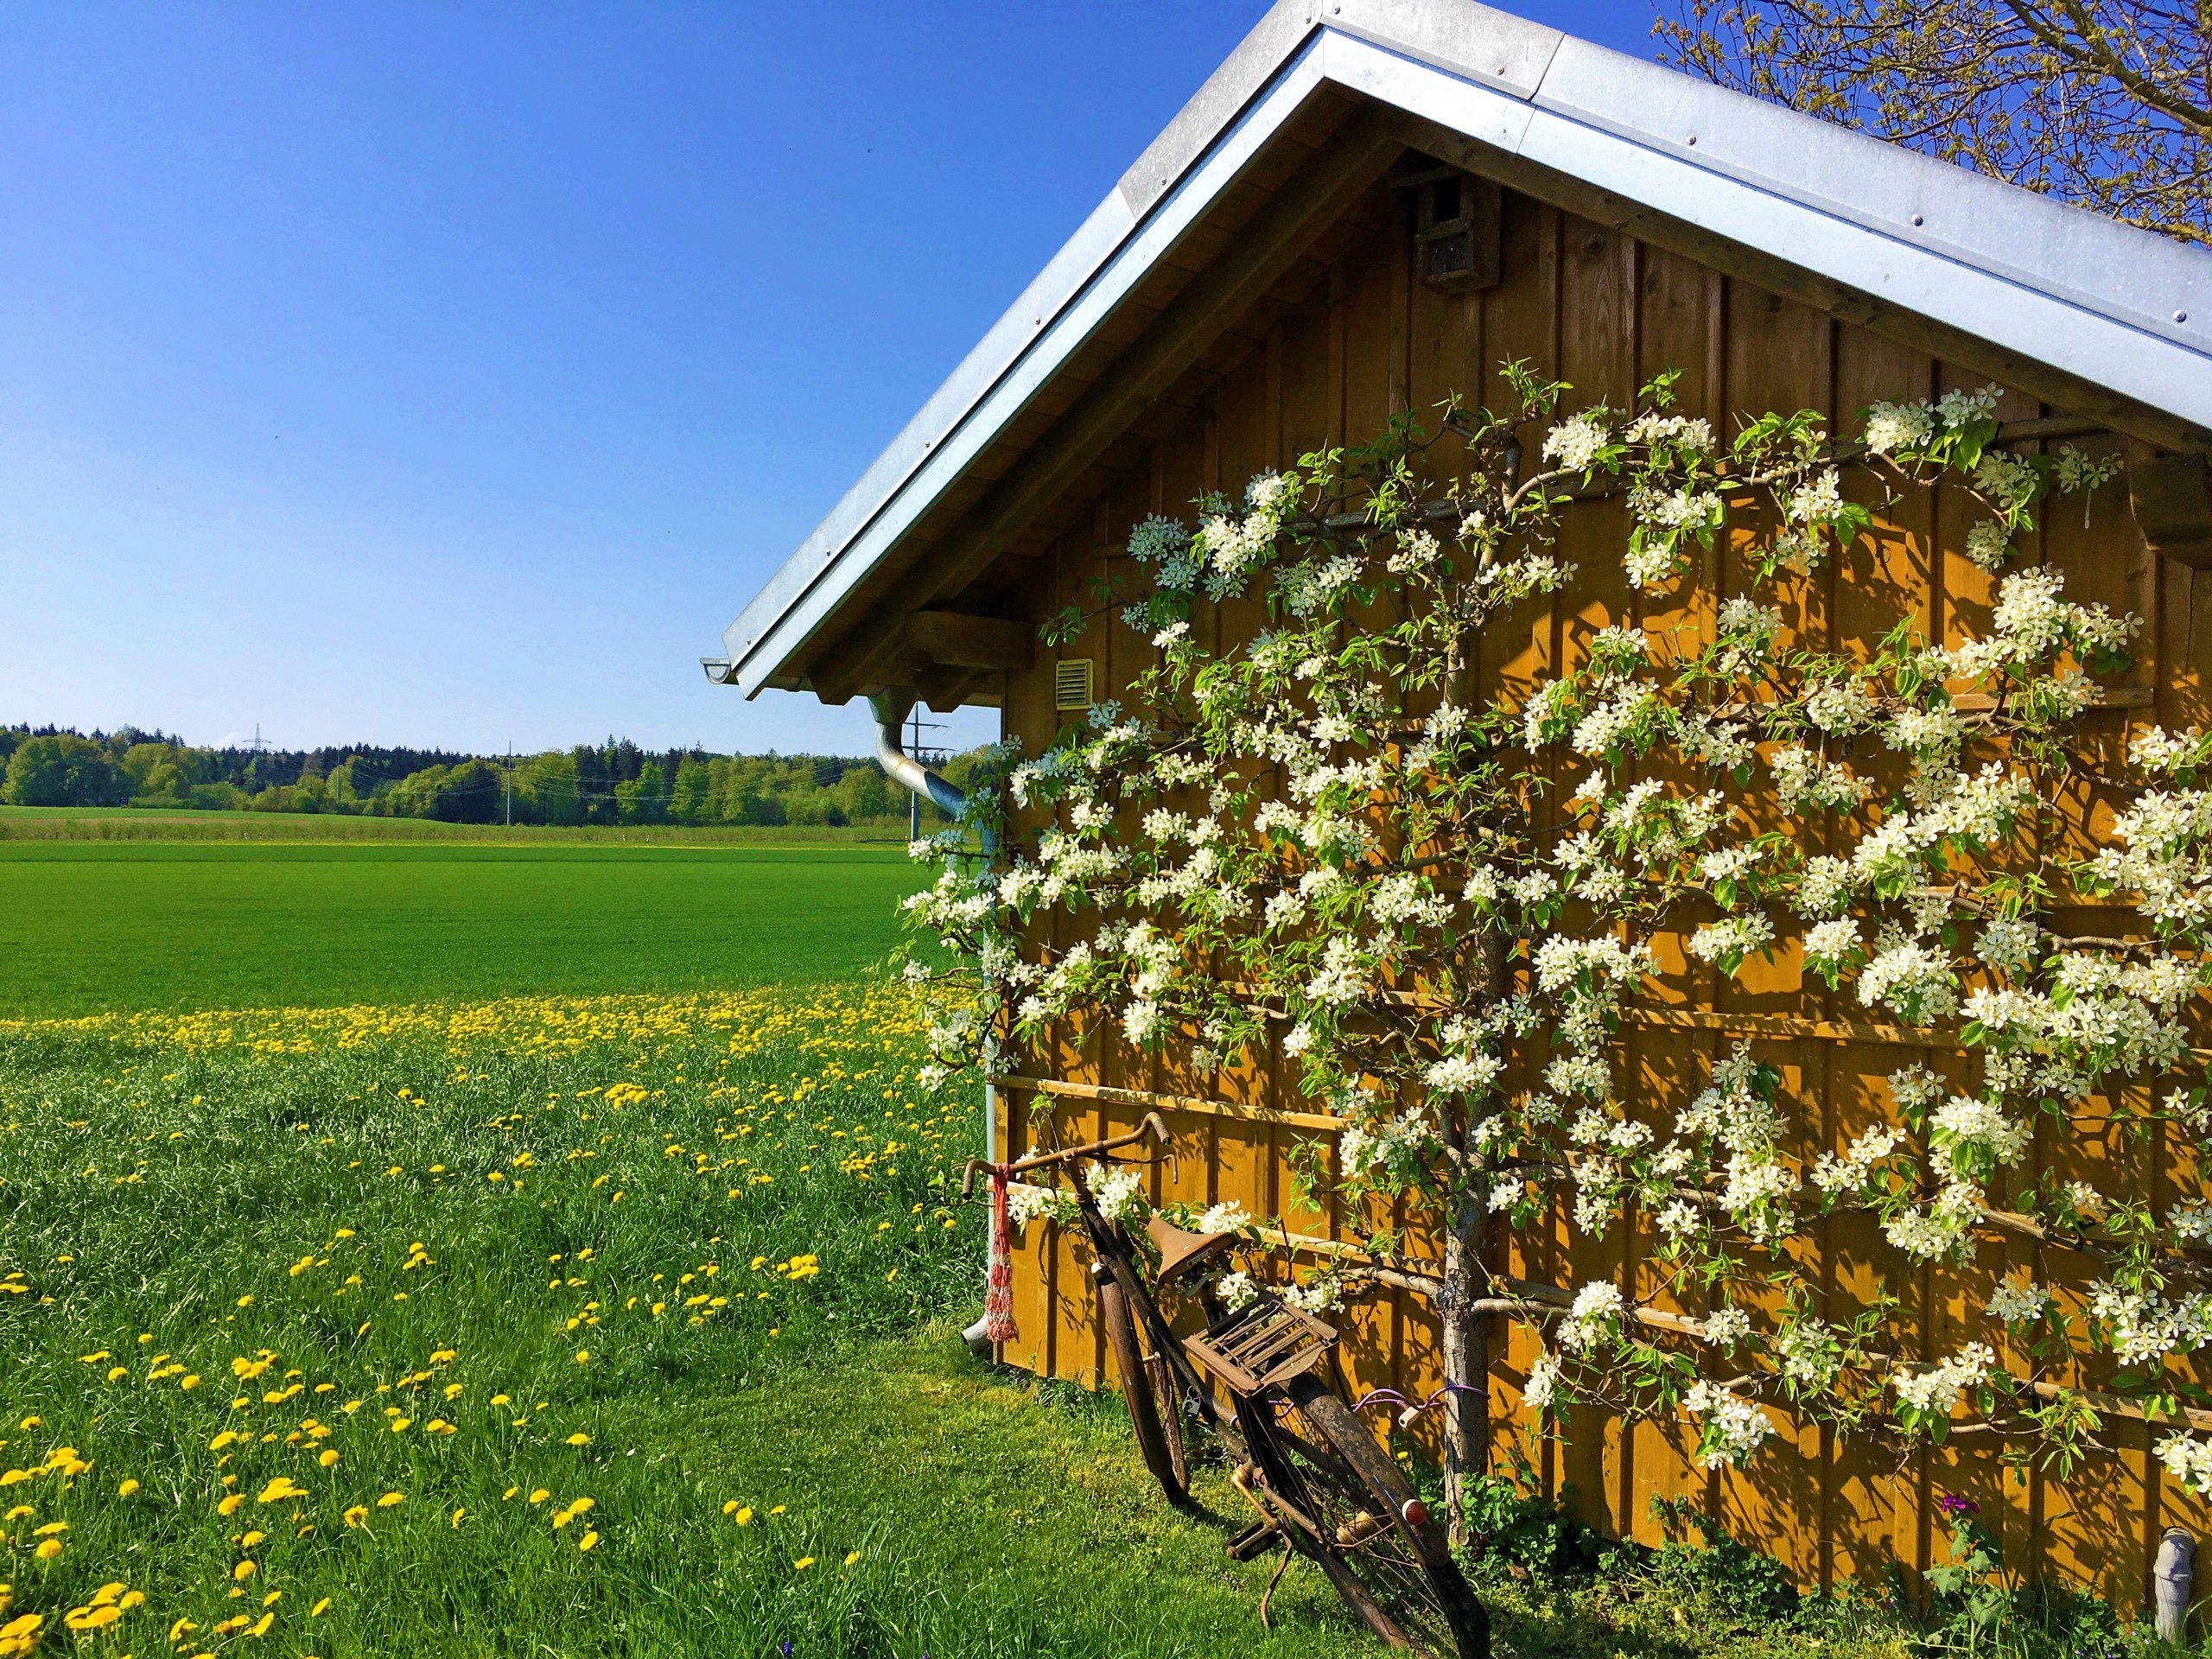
(2151, 750)
(1803, 779)
(1725, 1327)
(1936, 1389)
(1811, 1352)
(1894, 426)
(1943, 1228)
(1734, 1426)
(1119, 1191)
(1398, 1145)
(1913, 980)
(2189, 1461)
(1733, 937)
(2016, 1304)
(1854, 1170)
(2144, 1326)
(1574, 444)
(1687, 433)
(1966, 1122)
(1595, 1315)
(1026, 1202)
(1228, 1217)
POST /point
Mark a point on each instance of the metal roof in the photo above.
(2102, 304)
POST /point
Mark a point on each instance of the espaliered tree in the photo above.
(1329, 841)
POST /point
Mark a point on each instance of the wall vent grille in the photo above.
(1071, 686)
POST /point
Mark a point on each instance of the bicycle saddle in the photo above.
(1180, 1252)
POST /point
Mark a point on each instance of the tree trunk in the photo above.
(1466, 1364)
(1465, 1333)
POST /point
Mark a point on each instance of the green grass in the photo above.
(303, 1229)
(86, 928)
(131, 824)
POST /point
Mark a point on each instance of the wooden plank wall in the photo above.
(1580, 302)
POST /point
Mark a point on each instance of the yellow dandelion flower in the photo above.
(509, 1493)
(743, 1517)
(589, 1541)
(780, 1508)
(260, 1626)
(326, 1457)
(357, 1514)
(319, 1608)
(730, 1508)
(230, 1505)
(803, 1562)
(126, 1489)
(244, 1571)
(540, 1496)
(251, 1539)
(501, 1400)
(390, 1500)
(457, 1513)
(579, 1439)
(851, 1559)
(583, 1356)
(47, 1548)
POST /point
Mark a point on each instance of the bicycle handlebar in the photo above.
(1151, 1125)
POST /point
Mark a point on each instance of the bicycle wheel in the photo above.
(1136, 1385)
(1367, 1519)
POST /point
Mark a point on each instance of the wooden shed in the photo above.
(1368, 207)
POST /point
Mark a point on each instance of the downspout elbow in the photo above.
(890, 710)
(2170, 1582)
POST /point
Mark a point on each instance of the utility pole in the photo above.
(507, 788)
(921, 757)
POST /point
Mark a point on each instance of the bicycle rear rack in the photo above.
(1262, 1347)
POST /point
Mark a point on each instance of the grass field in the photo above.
(109, 823)
(547, 1326)
(87, 927)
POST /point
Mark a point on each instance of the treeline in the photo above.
(616, 782)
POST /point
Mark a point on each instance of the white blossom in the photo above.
(1936, 1389)
(2016, 1304)
(1737, 1427)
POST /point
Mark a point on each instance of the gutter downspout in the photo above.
(891, 709)
(2169, 1582)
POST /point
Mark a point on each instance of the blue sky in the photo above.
(451, 374)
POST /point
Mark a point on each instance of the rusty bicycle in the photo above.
(1319, 1483)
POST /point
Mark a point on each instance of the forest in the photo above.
(614, 783)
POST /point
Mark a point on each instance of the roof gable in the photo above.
(2110, 321)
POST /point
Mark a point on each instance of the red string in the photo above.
(998, 1296)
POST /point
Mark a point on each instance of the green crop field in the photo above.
(87, 927)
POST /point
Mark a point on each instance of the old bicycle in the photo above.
(1320, 1482)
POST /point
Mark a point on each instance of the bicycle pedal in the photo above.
(1255, 1540)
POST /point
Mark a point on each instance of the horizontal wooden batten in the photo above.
(1139, 1097)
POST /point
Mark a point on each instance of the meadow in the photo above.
(87, 927)
(386, 1317)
